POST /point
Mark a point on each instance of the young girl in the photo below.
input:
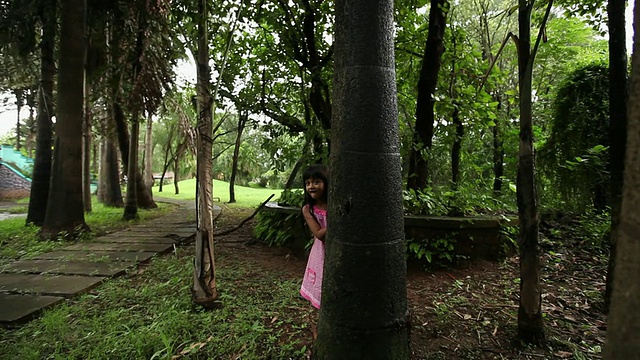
(316, 186)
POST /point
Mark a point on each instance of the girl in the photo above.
(316, 185)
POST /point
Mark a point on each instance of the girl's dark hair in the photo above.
(318, 171)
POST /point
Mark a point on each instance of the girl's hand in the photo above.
(313, 225)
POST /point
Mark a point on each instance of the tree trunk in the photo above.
(425, 116)
(86, 151)
(182, 147)
(19, 93)
(617, 130)
(242, 121)
(204, 291)
(498, 159)
(148, 154)
(130, 203)
(64, 207)
(623, 326)
(44, 129)
(457, 146)
(109, 192)
(364, 300)
(144, 197)
(530, 327)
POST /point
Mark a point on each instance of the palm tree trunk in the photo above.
(109, 192)
(44, 127)
(86, 153)
(364, 295)
(148, 154)
(131, 203)
(65, 205)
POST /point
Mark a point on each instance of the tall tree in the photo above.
(618, 124)
(44, 127)
(65, 210)
(623, 326)
(530, 327)
(242, 122)
(204, 291)
(425, 115)
(364, 299)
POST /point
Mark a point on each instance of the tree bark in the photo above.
(144, 198)
(618, 124)
(131, 203)
(204, 291)
(623, 326)
(65, 206)
(86, 151)
(148, 154)
(242, 121)
(364, 301)
(425, 116)
(498, 159)
(19, 93)
(109, 192)
(530, 327)
(44, 129)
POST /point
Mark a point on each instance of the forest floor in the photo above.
(469, 312)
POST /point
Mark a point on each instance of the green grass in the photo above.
(150, 316)
(246, 197)
(18, 241)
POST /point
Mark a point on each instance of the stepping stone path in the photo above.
(29, 286)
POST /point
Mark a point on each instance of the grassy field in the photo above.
(246, 197)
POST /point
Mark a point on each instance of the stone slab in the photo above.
(158, 231)
(88, 268)
(160, 248)
(135, 239)
(58, 285)
(21, 307)
(98, 256)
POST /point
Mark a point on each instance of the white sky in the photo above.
(186, 71)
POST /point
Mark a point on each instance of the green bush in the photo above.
(282, 229)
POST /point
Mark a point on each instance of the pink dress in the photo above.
(312, 283)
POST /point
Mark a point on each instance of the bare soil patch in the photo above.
(470, 312)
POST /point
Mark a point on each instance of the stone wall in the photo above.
(12, 185)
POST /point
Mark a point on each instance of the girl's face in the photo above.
(315, 188)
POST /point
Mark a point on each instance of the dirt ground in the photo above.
(471, 312)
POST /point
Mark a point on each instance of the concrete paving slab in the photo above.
(135, 239)
(87, 268)
(22, 307)
(57, 285)
(98, 256)
(160, 248)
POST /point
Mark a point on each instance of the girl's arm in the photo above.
(315, 228)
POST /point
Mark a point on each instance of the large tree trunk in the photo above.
(204, 291)
(148, 154)
(364, 299)
(109, 192)
(144, 197)
(242, 121)
(425, 116)
(42, 165)
(618, 124)
(131, 203)
(623, 327)
(530, 327)
(64, 207)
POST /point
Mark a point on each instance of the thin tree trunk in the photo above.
(19, 103)
(623, 326)
(457, 146)
(64, 206)
(242, 121)
(148, 154)
(425, 116)
(204, 291)
(618, 125)
(44, 129)
(498, 159)
(86, 152)
(145, 199)
(530, 327)
(131, 203)
(364, 311)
